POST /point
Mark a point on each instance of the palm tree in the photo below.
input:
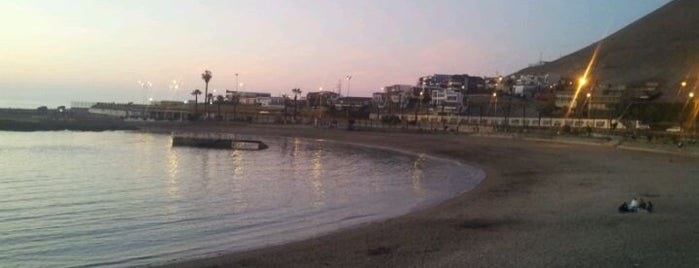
(220, 100)
(196, 94)
(207, 77)
(296, 91)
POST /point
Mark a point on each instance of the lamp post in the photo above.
(146, 87)
(236, 81)
(348, 85)
(419, 104)
(495, 99)
(692, 113)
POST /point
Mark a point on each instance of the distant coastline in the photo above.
(14, 125)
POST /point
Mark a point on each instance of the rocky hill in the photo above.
(662, 47)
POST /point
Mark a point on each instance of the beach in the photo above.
(542, 204)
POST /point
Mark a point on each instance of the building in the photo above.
(321, 98)
(352, 102)
(249, 98)
(401, 96)
(446, 100)
(379, 99)
(463, 83)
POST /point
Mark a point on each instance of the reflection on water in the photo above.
(237, 180)
(418, 167)
(318, 192)
(173, 166)
(116, 199)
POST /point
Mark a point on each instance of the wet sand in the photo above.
(542, 204)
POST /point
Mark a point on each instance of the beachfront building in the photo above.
(352, 102)
(463, 83)
(165, 110)
(446, 100)
(249, 98)
(322, 98)
(399, 97)
(379, 100)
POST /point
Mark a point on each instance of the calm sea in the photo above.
(117, 199)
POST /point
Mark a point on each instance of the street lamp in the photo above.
(684, 83)
(495, 98)
(692, 112)
(145, 86)
(419, 105)
(236, 82)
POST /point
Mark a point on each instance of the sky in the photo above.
(53, 52)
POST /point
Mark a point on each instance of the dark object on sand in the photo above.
(635, 205)
(624, 208)
(648, 206)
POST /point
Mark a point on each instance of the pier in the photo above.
(217, 141)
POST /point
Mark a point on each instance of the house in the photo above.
(322, 98)
(379, 99)
(446, 100)
(463, 83)
(400, 96)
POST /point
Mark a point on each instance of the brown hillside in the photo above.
(663, 47)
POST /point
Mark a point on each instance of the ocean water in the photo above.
(121, 199)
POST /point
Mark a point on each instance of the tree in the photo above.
(220, 100)
(196, 94)
(296, 91)
(209, 98)
(206, 76)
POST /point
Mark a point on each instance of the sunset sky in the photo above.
(55, 52)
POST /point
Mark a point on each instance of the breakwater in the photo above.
(216, 140)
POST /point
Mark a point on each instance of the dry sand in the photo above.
(542, 204)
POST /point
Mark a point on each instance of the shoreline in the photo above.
(541, 204)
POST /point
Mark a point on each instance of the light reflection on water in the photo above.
(106, 199)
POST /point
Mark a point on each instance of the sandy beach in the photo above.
(542, 204)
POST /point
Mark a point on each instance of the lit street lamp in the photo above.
(495, 98)
(145, 86)
(419, 105)
(693, 112)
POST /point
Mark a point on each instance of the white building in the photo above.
(249, 98)
(446, 99)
